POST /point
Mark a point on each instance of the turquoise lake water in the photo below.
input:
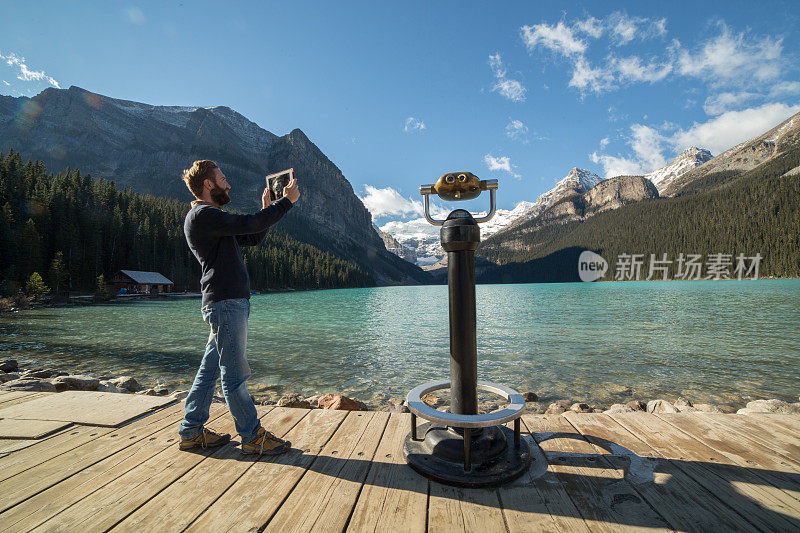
(711, 341)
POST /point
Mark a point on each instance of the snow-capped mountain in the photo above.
(578, 179)
(688, 159)
(423, 238)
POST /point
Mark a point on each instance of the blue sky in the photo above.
(398, 93)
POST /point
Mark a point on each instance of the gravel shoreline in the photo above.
(26, 376)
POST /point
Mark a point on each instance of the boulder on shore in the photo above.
(11, 376)
(179, 395)
(580, 407)
(558, 407)
(619, 408)
(431, 400)
(661, 406)
(41, 373)
(395, 405)
(155, 391)
(293, 400)
(126, 382)
(769, 406)
(63, 383)
(338, 402)
(637, 405)
(9, 365)
(28, 385)
(107, 386)
(683, 405)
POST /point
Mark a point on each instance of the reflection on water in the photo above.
(717, 341)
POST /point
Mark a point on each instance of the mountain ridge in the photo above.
(146, 147)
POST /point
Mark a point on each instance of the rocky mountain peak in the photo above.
(744, 156)
(580, 178)
(146, 147)
(687, 160)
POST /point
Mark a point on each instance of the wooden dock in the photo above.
(346, 472)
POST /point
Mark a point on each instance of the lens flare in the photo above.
(57, 151)
(29, 111)
(93, 100)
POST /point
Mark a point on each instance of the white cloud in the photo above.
(413, 125)
(509, 88)
(591, 26)
(625, 28)
(648, 144)
(785, 88)
(383, 202)
(25, 73)
(617, 166)
(733, 127)
(727, 62)
(632, 69)
(560, 39)
(500, 163)
(584, 77)
(516, 129)
(4, 81)
(732, 59)
(722, 102)
(716, 135)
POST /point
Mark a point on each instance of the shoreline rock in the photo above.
(15, 376)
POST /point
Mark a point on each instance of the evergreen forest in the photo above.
(70, 228)
(756, 212)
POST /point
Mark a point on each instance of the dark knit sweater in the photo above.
(215, 237)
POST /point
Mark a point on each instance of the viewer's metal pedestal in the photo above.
(462, 447)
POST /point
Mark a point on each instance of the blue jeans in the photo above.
(225, 357)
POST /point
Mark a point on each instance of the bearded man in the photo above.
(215, 237)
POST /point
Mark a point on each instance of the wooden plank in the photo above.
(29, 429)
(42, 506)
(88, 408)
(64, 442)
(538, 501)
(755, 430)
(460, 509)
(6, 395)
(740, 488)
(25, 484)
(606, 500)
(771, 424)
(325, 496)
(790, 422)
(12, 445)
(105, 507)
(19, 397)
(686, 504)
(394, 497)
(179, 504)
(735, 447)
(256, 495)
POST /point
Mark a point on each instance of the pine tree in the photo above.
(35, 287)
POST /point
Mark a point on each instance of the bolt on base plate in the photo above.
(490, 459)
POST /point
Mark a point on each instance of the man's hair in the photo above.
(199, 172)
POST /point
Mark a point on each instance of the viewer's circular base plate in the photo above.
(500, 463)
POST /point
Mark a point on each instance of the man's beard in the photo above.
(220, 195)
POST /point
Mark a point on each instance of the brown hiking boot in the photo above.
(266, 443)
(206, 439)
